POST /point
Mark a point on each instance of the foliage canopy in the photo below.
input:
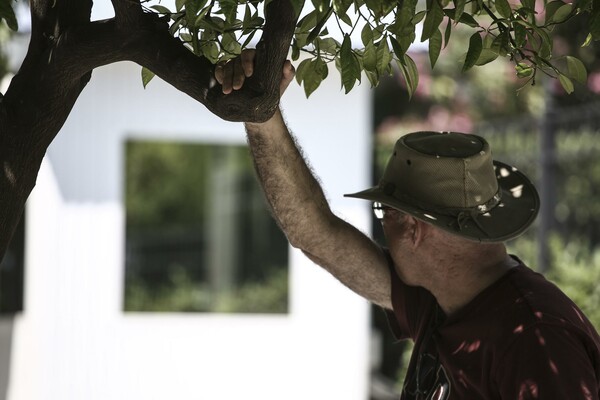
(519, 30)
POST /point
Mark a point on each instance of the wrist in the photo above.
(275, 120)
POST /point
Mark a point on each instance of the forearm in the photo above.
(301, 209)
(294, 194)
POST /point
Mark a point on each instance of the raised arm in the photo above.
(299, 205)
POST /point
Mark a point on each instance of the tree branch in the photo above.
(65, 47)
(127, 12)
(149, 43)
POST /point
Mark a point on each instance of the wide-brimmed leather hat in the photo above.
(450, 180)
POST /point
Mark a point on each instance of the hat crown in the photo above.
(450, 181)
(444, 170)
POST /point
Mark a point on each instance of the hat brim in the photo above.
(516, 211)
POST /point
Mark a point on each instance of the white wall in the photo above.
(74, 342)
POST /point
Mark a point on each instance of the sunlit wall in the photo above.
(74, 341)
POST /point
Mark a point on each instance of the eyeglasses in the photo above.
(380, 209)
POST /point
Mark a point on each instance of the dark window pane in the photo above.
(199, 236)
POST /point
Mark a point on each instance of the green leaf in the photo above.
(503, 8)
(418, 17)
(373, 78)
(317, 29)
(228, 9)
(341, 8)
(200, 19)
(587, 41)
(321, 67)
(147, 76)
(378, 32)
(434, 18)
(551, 8)
(297, 6)
(410, 72)
(308, 22)
(210, 50)
(501, 44)
(380, 8)
(566, 83)
(459, 8)
(314, 73)
(175, 26)
(562, 13)
(520, 34)
(295, 51)
(366, 35)
(435, 46)
(247, 16)
(538, 37)
(328, 45)
(349, 65)
(230, 44)
(161, 9)
(302, 68)
(179, 4)
(486, 56)
(8, 14)
(406, 14)
(465, 18)
(576, 70)
(399, 48)
(384, 57)
(447, 33)
(474, 51)
(530, 4)
(370, 57)
(405, 36)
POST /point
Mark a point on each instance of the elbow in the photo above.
(311, 235)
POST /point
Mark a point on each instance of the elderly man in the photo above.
(485, 326)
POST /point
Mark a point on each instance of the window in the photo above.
(199, 236)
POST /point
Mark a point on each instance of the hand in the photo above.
(232, 74)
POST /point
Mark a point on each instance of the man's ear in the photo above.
(418, 231)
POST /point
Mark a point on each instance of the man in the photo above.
(484, 325)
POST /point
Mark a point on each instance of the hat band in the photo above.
(461, 215)
(480, 209)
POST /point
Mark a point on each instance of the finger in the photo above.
(219, 74)
(247, 57)
(238, 74)
(287, 76)
(227, 78)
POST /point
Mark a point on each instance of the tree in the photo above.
(182, 43)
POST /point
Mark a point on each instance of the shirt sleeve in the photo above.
(411, 306)
(547, 362)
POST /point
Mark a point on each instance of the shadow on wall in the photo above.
(6, 334)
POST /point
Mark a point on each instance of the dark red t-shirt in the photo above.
(519, 339)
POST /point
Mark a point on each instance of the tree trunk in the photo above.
(65, 47)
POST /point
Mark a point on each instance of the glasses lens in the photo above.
(378, 210)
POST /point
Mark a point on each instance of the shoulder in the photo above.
(542, 335)
(549, 360)
(535, 300)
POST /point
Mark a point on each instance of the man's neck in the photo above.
(455, 287)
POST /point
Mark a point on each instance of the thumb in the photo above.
(287, 76)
